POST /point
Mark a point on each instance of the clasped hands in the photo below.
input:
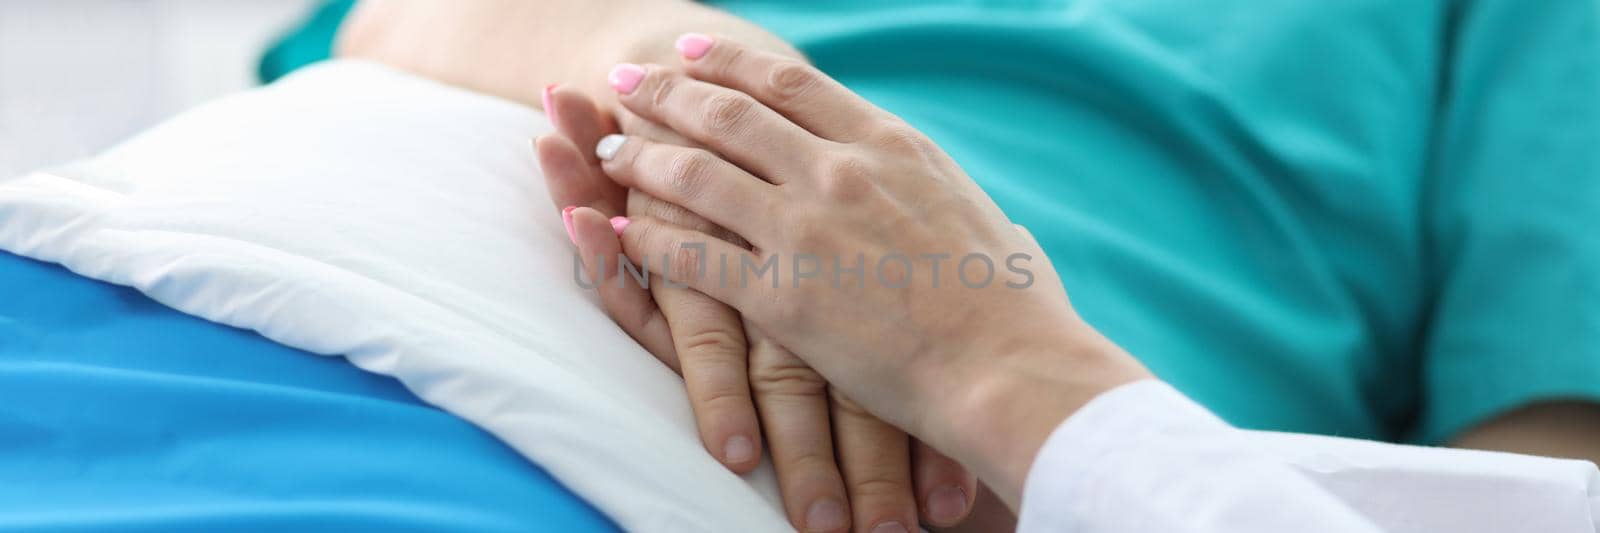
(756, 158)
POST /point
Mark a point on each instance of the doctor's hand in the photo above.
(894, 275)
(836, 464)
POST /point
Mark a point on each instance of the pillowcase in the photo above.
(357, 211)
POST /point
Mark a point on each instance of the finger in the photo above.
(945, 489)
(712, 353)
(641, 203)
(793, 403)
(572, 181)
(729, 122)
(697, 260)
(576, 117)
(785, 84)
(695, 179)
(635, 126)
(988, 513)
(876, 460)
(1025, 233)
(580, 122)
(624, 300)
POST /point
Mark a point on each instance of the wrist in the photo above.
(997, 415)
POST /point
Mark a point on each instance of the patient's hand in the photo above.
(877, 474)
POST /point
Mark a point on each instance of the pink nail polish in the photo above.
(619, 224)
(625, 77)
(693, 45)
(549, 111)
(566, 218)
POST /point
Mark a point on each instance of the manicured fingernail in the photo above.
(566, 218)
(947, 504)
(693, 45)
(825, 515)
(608, 146)
(890, 527)
(621, 223)
(738, 449)
(549, 111)
(625, 77)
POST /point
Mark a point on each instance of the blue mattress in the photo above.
(117, 412)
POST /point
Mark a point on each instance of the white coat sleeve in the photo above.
(1143, 457)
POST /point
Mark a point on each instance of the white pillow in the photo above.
(354, 210)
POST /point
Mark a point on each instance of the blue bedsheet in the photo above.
(116, 411)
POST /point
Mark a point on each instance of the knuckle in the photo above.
(790, 80)
(787, 379)
(714, 343)
(726, 114)
(732, 58)
(647, 238)
(880, 483)
(896, 136)
(641, 204)
(687, 171)
(686, 260)
(661, 88)
(846, 177)
(723, 394)
(809, 459)
(645, 205)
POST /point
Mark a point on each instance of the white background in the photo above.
(76, 76)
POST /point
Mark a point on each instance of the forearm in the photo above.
(513, 48)
(1569, 429)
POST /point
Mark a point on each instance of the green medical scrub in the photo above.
(1365, 218)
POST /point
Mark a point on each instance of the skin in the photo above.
(853, 180)
(745, 389)
(737, 101)
(498, 47)
(868, 469)
(1569, 429)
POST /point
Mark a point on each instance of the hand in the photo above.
(881, 470)
(815, 178)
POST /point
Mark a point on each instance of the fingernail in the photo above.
(608, 146)
(693, 45)
(549, 111)
(947, 504)
(625, 77)
(738, 449)
(825, 515)
(566, 218)
(890, 527)
(621, 223)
